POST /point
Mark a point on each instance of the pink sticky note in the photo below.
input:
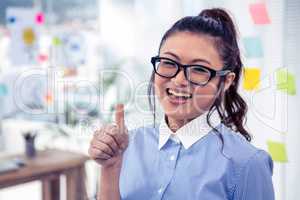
(259, 13)
(40, 18)
(42, 58)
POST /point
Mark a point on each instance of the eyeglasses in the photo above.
(196, 74)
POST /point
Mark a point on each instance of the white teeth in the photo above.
(179, 94)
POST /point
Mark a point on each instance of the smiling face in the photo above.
(187, 48)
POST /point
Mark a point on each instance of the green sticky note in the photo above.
(253, 47)
(285, 81)
(277, 151)
(56, 41)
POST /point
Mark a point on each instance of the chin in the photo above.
(179, 115)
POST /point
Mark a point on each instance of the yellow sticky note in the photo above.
(251, 78)
(277, 151)
(285, 81)
(28, 36)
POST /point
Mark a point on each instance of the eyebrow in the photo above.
(193, 61)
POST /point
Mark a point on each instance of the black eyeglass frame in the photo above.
(213, 73)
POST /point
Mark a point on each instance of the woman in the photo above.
(201, 149)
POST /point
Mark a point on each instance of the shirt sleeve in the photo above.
(255, 179)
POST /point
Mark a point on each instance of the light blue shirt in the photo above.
(194, 165)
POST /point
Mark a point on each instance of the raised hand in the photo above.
(109, 143)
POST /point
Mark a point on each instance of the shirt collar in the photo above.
(190, 133)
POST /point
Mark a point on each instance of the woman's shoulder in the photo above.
(144, 132)
(252, 167)
(239, 150)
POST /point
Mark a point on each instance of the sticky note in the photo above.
(70, 72)
(253, 47)
(259, 13)
(75, 47)
(42, 57)
(39, 18)
(285, 81)
(277, 151)
(11, 19)
(251, 79)
(56, 41)
(3, 90)
(29, 36)
(49, 98)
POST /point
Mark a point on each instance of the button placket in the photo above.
(172, 156)
(168, 164)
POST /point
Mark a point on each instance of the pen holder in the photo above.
(30, 150)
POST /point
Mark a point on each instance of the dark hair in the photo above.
(216, 22)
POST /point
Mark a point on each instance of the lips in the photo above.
(178, 96)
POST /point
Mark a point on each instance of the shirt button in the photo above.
(172, 157)
(160, 191)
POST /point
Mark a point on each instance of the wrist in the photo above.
(111, 168)
(109, 187)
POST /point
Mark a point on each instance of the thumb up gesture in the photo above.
(109, 143)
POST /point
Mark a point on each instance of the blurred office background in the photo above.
(64, 64)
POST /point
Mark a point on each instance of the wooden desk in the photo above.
(47, 167)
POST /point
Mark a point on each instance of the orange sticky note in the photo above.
(251, 79)
(49, 98)
(259, 13)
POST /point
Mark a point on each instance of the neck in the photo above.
(175, 124)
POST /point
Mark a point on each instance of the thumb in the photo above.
(119, 116)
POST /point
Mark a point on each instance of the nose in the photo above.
(179, 79)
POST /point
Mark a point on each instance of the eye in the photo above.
(198, 69)
(167, 63)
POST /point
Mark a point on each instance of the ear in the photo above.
(229, 80)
